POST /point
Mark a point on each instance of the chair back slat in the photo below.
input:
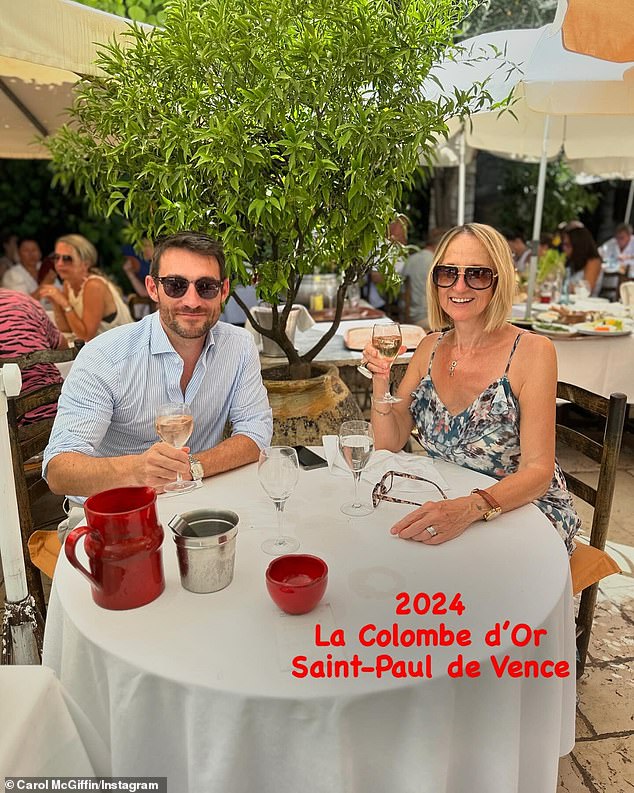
(42, 356)
(583, 398)
(581, 489)
(35, 399)
(580, 442)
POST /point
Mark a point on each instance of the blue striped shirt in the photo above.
(109, 400)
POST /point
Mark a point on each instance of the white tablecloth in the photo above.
(199, 688)
(601, 365)
(41, 727)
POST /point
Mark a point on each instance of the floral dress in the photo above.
(486, 438)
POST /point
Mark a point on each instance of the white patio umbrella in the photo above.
(562, 101)
(45, 45)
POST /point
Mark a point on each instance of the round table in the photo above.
(199, 688)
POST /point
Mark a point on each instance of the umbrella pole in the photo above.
(461, 178)
(630, 199)
(537, 221)
(21, 624)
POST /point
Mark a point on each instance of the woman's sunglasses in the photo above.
(65, 257)
(382, 489)
(176, 286)
(445, 275)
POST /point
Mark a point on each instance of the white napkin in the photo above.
(383, 461)
(304, 322)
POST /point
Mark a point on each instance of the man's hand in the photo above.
(159, 465)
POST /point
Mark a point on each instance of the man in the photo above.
(397, 235)
(520, 250)
(416, 270)
(104, 434)
(25, 328)
(625, 242)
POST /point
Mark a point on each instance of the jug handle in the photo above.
(69, 546)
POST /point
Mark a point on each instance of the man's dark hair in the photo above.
(513, 234)
(193, 241)
(22, 240)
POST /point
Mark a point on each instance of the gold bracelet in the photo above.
(380, 412)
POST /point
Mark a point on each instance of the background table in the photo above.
(198, 687)
(603, 366)
(41, 727)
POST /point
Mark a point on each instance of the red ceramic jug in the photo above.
(123, 542)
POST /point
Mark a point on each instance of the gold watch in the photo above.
(495, 510)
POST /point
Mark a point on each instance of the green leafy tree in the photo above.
(564, 199)
(287, 129)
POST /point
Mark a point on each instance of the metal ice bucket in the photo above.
(206, 547)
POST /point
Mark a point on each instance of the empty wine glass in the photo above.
(174, 425)
(356, 443)
(387, 340)
(278, 471)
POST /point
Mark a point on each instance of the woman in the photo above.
(482, 394)
(582, 258)
(89, 304)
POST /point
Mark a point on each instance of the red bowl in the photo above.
(296, 582)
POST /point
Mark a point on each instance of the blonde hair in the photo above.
(499, 309)
(85, 249)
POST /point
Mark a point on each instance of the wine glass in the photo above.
(356, 443)
(174, 425)
(387, 340)
(278, 471)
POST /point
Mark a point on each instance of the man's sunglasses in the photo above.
(446, 275)
(381, 489)
(65, 257)
(176, 286)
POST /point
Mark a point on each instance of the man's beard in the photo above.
(184, 331)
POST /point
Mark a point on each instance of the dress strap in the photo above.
(515, 343)
(433, 352)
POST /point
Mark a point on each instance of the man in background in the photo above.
(520, 250)
(416, 271)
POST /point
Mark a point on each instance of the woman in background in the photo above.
(89, 304)
(583, 261)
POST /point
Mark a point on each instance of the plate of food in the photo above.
(357, 338)
(610, 326)
(554, 330)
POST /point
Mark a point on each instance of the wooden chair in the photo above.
(589, 563)
(136, 304)
(26, 443)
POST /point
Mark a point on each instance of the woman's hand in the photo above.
(54, 295)
(447, 519)
(379, 366)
